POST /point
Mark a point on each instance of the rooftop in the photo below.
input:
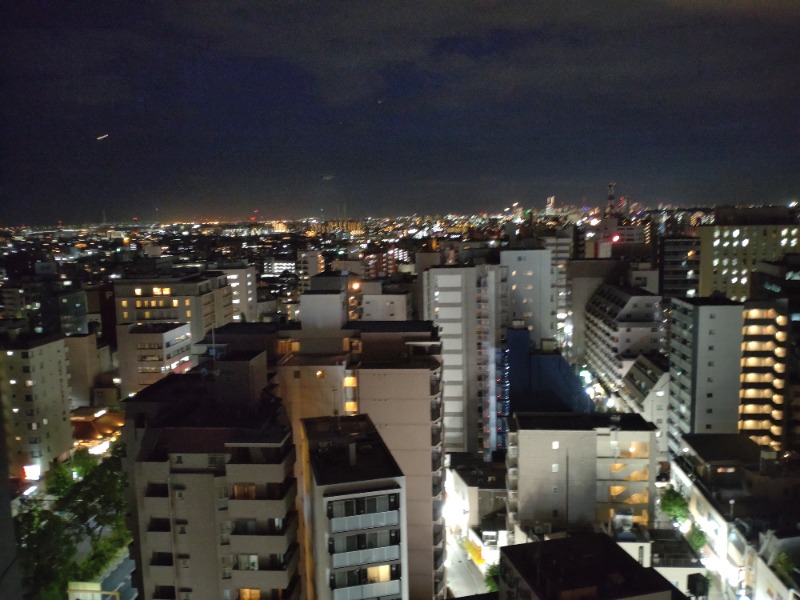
(579, 421)
(348, 450)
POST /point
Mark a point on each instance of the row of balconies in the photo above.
(365, 521)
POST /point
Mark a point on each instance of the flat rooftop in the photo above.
(556, 568)
(348, 450)
(724, 447)
(579, 421)
(155, 327)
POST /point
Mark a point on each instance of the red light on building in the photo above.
(615, 238)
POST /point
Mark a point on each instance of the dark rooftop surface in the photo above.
(709, 301)
(390, 326)
(334, 461)
(477, 473)
(416, 362)
(579, 421)
(724, 447)
(555, 568)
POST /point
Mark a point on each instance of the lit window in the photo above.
(320, 374)
(175, 302)
(555, 445)
(124, 304)
(156, 291)
(137, 292)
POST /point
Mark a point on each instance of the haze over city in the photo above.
(294, 109)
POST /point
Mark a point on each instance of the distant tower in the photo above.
(612, 187)
(551, 202)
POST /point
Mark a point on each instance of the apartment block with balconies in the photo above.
(357, 508)
(568, 470)
(212, 495)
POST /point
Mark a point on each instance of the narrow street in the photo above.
(463, 576)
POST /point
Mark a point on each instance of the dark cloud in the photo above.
(240, 105)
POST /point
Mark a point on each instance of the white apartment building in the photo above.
(645, 391)
(386, 307)
(203, 301)
(309, 263)
(87, 360)
(566, 469)
(34, 392)
(621, 323)
(356, 506)
(728, 254)
(560, 247)
(149, 352)
(212, 496)
(469, 306)
(705, 356)
(530, 291)
(763, 413)
(242, 280)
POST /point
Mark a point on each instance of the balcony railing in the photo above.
(364, 557)
(369, 590)
(367, 521)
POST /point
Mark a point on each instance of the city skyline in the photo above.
(298, 109)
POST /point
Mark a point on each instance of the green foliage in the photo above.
(783, 566)
(491, 577)
(83, 463)
(92, 508)
(58, 479)
(674, 505)
(696, 538)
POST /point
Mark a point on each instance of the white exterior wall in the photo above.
(146, 357)
(398, 401)
(34, 391)
(385, 307)
(321, 311)
(243, 293)
(530, 291)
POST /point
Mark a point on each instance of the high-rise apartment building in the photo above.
(728, 254)
(469, 306)
(356, 507)
(763, 411)
(34, 391)
(203, 301)
(705, 356)
(531, 292)
(212, 494)
(560, 246)
(241, 278)
(621, 323)
(403, 399)
(679, 267)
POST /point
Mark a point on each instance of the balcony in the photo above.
(436, 411)
(438, 558)
(436, 437)
(436, 461)
(436, 487)
(253, 471)
(438, 534)
(164, 592)
(438, 507)
(263, 507)
(364, 557)
(369, 590)
(261, 539)
(278, 577)
(367, 521)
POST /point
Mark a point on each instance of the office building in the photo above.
(704, 358)
(203, 301)
(150, 351)
(356, 508)
(729, 253)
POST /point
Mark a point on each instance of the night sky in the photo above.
(327, 109)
